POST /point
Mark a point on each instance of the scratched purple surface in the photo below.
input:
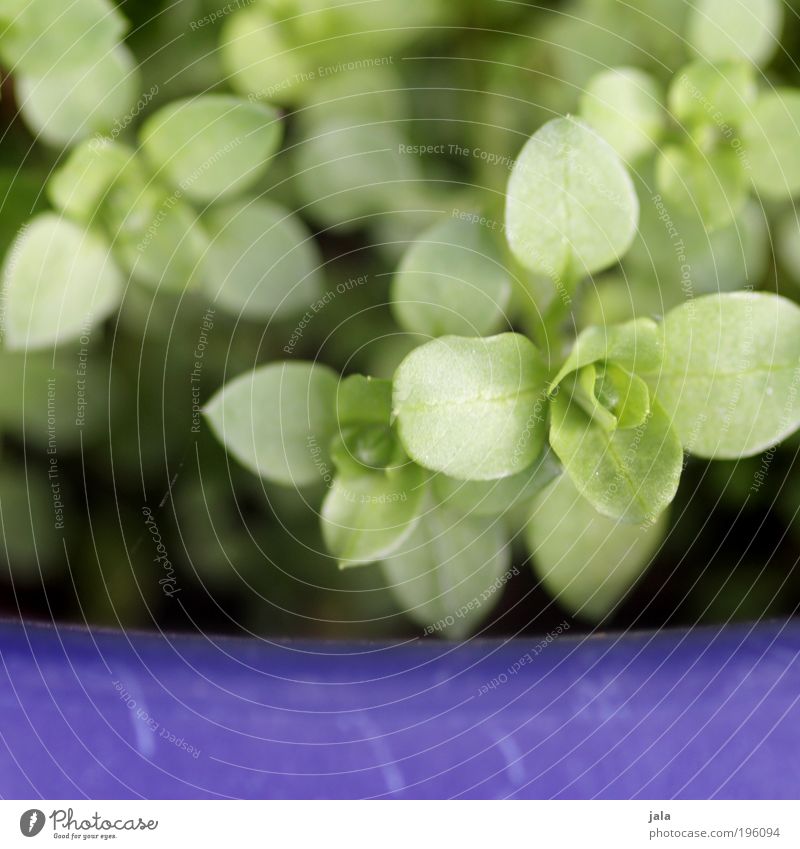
(698, 714)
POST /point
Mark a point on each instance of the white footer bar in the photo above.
(402, 825)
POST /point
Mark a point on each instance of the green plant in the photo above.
(719, 131)
(168, 215)
(542, 374)
(73, 74)
(428, 473)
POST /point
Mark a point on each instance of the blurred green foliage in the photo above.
(392, 114)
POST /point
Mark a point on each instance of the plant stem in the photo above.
(557, 312)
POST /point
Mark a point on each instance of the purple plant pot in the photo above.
(676, 714)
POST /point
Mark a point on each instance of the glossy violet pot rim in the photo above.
(700, 713)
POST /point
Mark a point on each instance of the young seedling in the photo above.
(555, 388)
(430, 473)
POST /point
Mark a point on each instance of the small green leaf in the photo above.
(65, 105)
(364, 401)
(624, 395)
(713, 183)
(588, 562)
(278, 421)
(365, 439)
(625, 106)
(674, 256)
(474, 409)
(450, 573)
(58, 280)
(744, 29)
(155, 235)
(348, 171)
(630, 474)
(37, 35)
(772, 137)
(734, 256)
(720, 95)
(78, 187)
(571, 208)
(496, 497)
(611, 396)
(582, 391)
(635, 345)
(731, 373)
(212, 145)
(262, 261)
(366, 447)
(451, 281)
(366, 517)
(259, 60)
(366, 95)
